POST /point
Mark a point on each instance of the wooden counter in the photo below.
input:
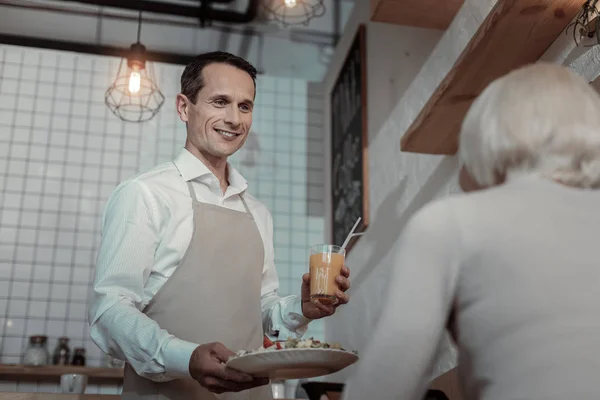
(448, 382)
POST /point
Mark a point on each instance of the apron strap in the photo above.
(192, 192)
(245, 205)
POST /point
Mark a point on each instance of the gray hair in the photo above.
(541, 119)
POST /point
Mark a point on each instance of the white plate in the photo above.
(293, 363)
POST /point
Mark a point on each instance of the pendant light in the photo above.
(294, 12)
(134, 95)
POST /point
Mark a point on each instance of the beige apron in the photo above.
(213, 296)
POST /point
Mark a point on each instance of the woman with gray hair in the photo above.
(512, 268)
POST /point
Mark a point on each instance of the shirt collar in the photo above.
(191, 168)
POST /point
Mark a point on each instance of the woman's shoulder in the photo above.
(459, 209)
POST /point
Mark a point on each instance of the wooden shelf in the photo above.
(514, 33)
(56, 396)
(433, 14)
(53, 373)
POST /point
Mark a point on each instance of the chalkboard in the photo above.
(349, 187)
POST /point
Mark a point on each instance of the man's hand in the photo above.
(208, 368)
(316, 311)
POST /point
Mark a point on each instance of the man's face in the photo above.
(219, 122)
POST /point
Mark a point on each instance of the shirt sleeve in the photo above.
(130, 235)
(282, 316)
(399, 358)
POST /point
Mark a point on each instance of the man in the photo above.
(185, 272)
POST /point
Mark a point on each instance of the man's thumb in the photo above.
(221, 353)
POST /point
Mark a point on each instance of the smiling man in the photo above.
(185, 273)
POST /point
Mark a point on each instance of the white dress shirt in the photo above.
(519, 266)
(147, 227)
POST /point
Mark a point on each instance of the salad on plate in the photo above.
(291, 343)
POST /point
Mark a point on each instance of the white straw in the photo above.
(351, 234)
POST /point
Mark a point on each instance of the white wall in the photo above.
(395, 55)
(405, 65)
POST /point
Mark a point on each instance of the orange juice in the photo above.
(326, 264)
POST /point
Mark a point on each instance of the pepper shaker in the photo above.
(62, 353)
(79, 356)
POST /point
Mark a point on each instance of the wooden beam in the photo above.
(515, 33)
(434, 14)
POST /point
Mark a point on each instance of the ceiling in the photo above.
(174, 30)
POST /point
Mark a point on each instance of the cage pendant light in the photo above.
(134, 95)
(294, 12)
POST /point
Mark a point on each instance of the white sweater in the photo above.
(520, 265)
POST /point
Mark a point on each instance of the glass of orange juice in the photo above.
(326, 262)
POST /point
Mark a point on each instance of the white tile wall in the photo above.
(62, 153)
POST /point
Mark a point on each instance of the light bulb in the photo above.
(290, 3)
(135, 80)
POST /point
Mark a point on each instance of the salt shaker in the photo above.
(113, 362)
(37, 351)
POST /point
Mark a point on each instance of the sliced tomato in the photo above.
(278, 345)
(267, 342)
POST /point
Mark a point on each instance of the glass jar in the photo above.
(278, 388)
(79, 357)
(113, 362)
(37, 351)
(62, 353)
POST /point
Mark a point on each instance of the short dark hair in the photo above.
(192, 80)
